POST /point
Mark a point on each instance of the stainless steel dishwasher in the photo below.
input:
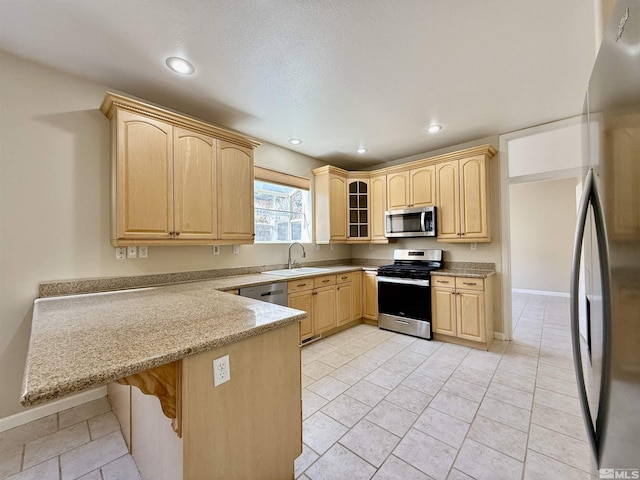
(271, 292)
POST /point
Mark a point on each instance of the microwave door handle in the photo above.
(423, 221)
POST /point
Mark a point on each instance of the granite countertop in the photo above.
(470, 273)
(84, 341)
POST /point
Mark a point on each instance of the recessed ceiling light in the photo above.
(295, 141)
(180, 65)
(434, 128)
(362, 150)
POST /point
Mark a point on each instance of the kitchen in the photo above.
(67, 178)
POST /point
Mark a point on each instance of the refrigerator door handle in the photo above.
(590, 197)
(583, 210)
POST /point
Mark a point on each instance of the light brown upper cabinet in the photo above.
(235, 188)
(330, 194)
(378, 205)
(411, 188)
(462, 199)
(177, 180)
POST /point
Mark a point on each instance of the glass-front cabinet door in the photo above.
(358, 210)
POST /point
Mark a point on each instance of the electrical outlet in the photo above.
(331, 246)
(221, 370)
(143, 252)
(236, 249)
(371, 246)
(132, 252)
(216, 249)
(121, 253)
(317, 247)
(474, 246)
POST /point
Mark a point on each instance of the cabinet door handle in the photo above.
(325, 281)
(172, 233)
(343, 278)
(469, 283)
(314, 293)
(301, 285)
(442, 281)
(177, 233)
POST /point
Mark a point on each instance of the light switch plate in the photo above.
(216, 249)
(236, 249)
(132, 252)
(221, 370)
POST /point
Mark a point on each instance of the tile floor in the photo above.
(384, 406)
(83, 442)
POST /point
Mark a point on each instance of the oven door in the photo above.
(404, 305)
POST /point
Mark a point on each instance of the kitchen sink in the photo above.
(292, 272)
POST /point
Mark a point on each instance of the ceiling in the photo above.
(338, 74)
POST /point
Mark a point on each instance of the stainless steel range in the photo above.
(404, 292)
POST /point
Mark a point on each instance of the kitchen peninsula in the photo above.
(164, 340)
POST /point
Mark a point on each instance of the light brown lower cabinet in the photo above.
(462, 310)
(228, 430)
(370, 301)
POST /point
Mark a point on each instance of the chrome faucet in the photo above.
(304, 254)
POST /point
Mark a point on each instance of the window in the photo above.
(282, 212)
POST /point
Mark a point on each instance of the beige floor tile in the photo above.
(395, 469)
(455, 406)
(412, 358)
(18, 436)
(339, 463)
(48, 470)
(413, 400)
(464, 389)
(328, 387)
(370, 442)
(335, 359)
(392, 417)
(367, 393)
(423, 383)
(95, 475)
(424, 347)
(513, 396)
(92, 455)
(526, 384)
(427, 454)
(559, 421)
(320, 432)
(458, 475)
(541, 467)
(304, 461)
(120, 469)
(498, 436)
(505, 413)
(484, 463)
(103, 424)
(306, 381)
(384, 378)
(472, 375)
(10, 461)
(83, 412)
(348, 374)
(558, 386)
(398, 367)
(346, 410)
(311, 403)
(558, 401)
(316, 369)
(560, 447)
(366, 364)
(55, 444)
(446, 428)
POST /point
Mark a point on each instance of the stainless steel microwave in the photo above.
(410, 222)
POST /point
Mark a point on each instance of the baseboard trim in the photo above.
(540, 292)
(50, 408)
(498, 336)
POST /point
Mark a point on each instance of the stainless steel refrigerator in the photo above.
(605, 313)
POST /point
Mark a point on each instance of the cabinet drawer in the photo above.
(344, 277)
(299, 285)
(467, 283)
(324, 281)
(441, 281)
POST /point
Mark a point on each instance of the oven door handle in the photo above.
(406, 281)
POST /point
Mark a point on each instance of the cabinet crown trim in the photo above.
(113, 101)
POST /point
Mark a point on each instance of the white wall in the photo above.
(54, 204)
(542, 221)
